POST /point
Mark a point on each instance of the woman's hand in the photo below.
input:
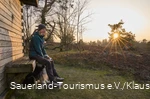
(47, 57)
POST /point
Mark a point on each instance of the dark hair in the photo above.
(41, 26)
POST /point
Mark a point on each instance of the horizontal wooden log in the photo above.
(7, 60)
(9, 38)
(7, 7)
(10, 44)
(22, 65)
(3, 31)
(12, 34)
(10, 49)
(9, 17)
(10, 54)
(8, 27)
(16, 4)
(10, 22)
(9, 33)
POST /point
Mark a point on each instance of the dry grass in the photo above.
(74, 75)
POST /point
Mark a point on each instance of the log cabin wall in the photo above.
(10, 35)
(11, 27)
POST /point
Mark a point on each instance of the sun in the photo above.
(115, 35)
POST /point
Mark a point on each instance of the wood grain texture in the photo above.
(22, 65)
(9, 17)
(10, 28)
(11, 48)
(10, 54)
(10, 44)
(7, 60)
(10, 22)
(9, 7)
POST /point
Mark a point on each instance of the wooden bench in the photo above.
(16, 72)
(22, 65)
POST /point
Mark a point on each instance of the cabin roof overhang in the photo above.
(30, 2)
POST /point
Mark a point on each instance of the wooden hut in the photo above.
(11, 42)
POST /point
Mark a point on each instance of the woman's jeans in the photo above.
(49, 64)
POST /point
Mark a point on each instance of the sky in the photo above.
(134, 13)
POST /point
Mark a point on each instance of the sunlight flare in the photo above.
(115, 35)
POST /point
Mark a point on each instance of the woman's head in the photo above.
(42, 29)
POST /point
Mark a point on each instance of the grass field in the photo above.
(74, 75)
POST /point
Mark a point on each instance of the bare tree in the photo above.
(81, 20)
(44, 14)
(70, 20)
(63, 18)
(27, 16)
(65, 22)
